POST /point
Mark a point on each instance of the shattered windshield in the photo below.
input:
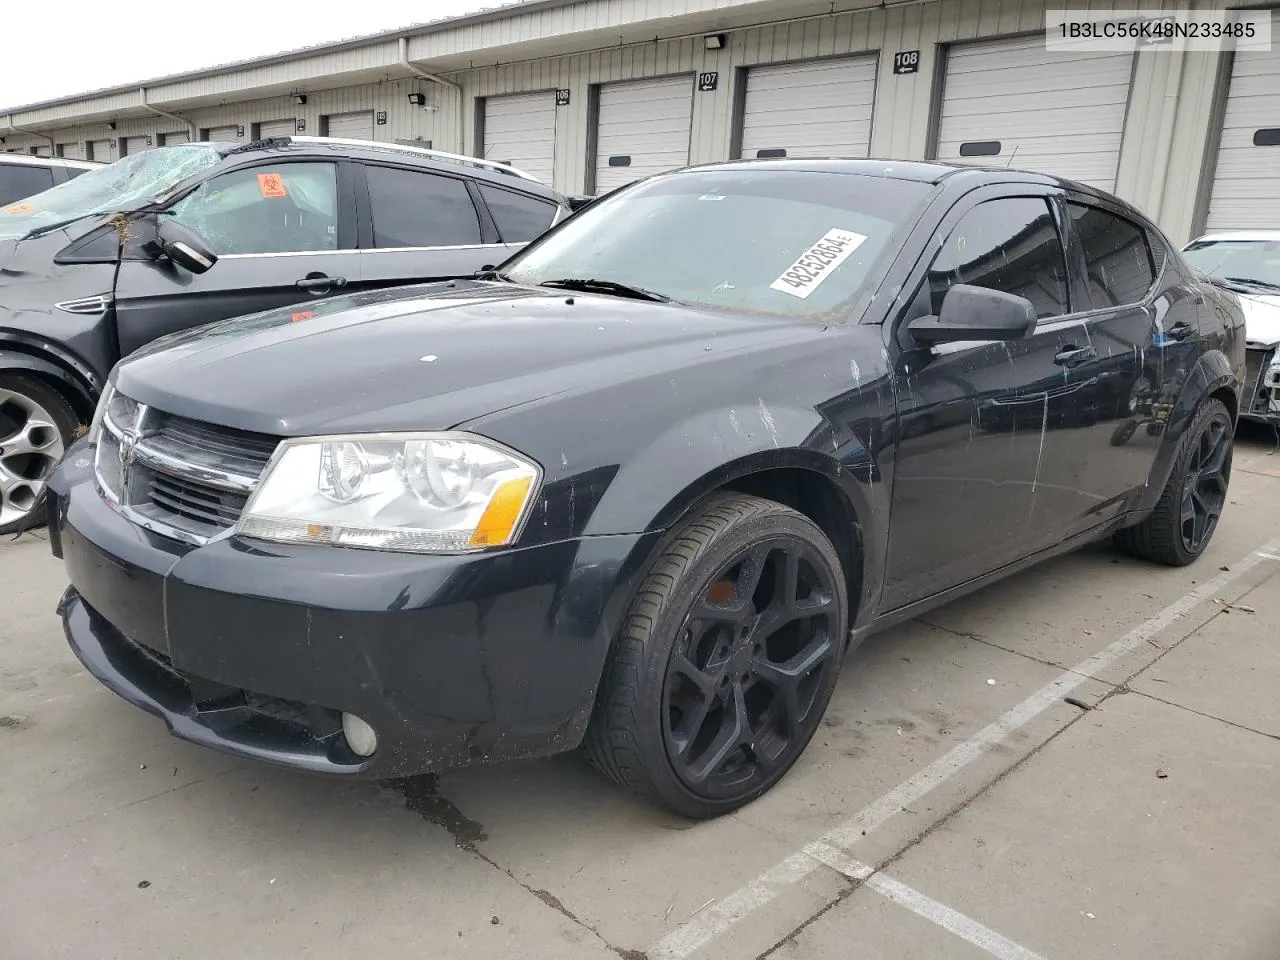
(792, 243)
(121, 184)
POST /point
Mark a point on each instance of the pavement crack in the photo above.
(1207, 716)
(991, 643)
(422, 796)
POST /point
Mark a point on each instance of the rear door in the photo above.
(18, 181)
(284, 232)
(1136, 341)
(417, 225)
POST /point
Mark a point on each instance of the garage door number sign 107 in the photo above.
(815, 264)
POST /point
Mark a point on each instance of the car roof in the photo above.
(920, 171)
(1237, 235)
(31, 160)
(490, 171)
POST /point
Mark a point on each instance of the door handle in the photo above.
(1180, 330)
(1073, 356)
(318, 281)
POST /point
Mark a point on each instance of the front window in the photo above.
(790, 243)
(117, 186)
(1251, 263)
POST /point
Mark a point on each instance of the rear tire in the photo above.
(726, 660)
(36, 426)
(1187, 513)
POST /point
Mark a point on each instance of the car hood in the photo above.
(1261, 317)
(425, 357)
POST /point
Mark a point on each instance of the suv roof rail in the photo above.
(421, 151)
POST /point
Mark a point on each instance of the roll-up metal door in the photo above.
(131, 145)
(71, 151)
(220, 134)
(643, 128)
(521, 130)
(1246, 179)
(44, 151)
(174, 139)
(99, 150)
(818, 109)
(351, 126)
(280, 128)
(1013, 103)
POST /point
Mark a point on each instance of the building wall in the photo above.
(1163, 151)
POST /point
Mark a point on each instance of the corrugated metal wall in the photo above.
(1163, 151)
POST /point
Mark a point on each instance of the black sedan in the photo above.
(642, 488)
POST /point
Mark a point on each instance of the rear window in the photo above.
(520, 217)
(18, 181)
(790, 243)
(1119, 267)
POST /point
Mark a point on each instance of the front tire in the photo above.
(726, 661)
(36, 426)
(1187, 513)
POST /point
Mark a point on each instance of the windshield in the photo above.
(787, 242)
(129, 180)
(1256, 261)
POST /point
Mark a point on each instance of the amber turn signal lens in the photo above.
(498, 522)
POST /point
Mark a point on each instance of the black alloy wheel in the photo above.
(727, 660)
(1186, 516)
(1204, 490)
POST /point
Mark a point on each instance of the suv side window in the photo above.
(1117, 257)
(520, 217)
(1010, 244)
(18, 181)
(277, 208)
(412, 209)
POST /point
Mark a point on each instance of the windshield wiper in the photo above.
(1254, 283)
(493, 275)
(606, 286)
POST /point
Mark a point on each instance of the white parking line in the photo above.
(832, 849)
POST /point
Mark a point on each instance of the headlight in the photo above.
(420, 493)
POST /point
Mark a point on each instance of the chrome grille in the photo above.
(179, 477)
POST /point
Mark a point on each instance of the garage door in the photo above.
(71, 151)
(175, 138)
(521, 130)
(1014, 103)
(279, 128)
(99, 150)
(131, 145)
(1246, 180)
(820, 109)
(643, 128)
(352, 126)
(44, 151)
(218, 134)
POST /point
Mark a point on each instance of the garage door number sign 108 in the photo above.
(814, 265)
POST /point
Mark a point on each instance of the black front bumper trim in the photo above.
(234, 721)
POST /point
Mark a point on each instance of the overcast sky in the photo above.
(73, 46)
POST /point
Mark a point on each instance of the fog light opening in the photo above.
(360, 736)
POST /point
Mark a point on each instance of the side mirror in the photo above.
(184, 247)
(976, 313)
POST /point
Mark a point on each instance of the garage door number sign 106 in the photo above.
(815, 264)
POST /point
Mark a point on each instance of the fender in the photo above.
(712, 449)
(1212, 372)
(25, 351)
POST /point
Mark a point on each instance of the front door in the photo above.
(283, 232)
(979, 421)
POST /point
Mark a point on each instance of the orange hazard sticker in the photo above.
(300, 315)
(19, 208)
(271, 185)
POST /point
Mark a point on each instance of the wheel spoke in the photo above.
(734, 731)
(1188, 508)
(737, 607)
(786, 678)
(35, 436)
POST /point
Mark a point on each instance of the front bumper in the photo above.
(257, 649)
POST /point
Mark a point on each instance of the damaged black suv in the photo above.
(168, 239)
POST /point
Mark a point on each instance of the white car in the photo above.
(1247, 262)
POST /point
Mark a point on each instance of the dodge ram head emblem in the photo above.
(128, 447)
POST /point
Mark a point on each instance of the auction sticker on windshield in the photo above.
(815, 264)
